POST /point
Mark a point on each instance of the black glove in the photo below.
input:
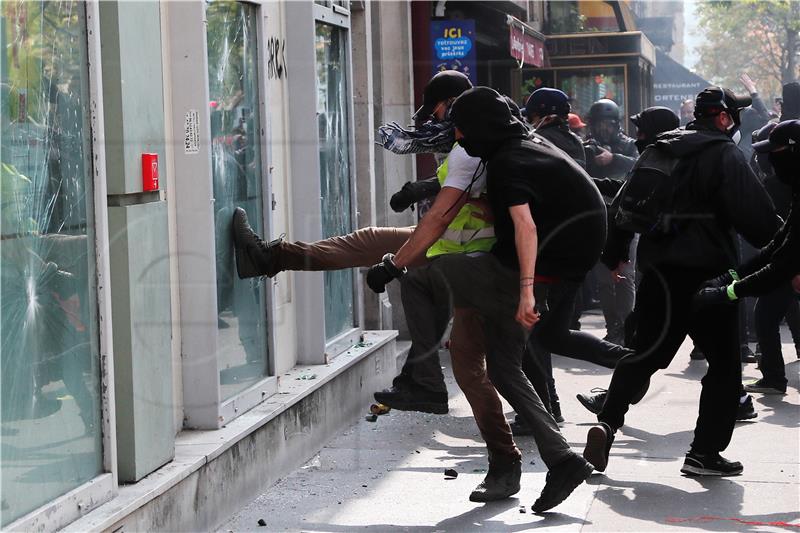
(709, 296)
(413, 192)
(382, 273)
(540, 294)
(723, 280)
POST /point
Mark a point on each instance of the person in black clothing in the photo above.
(790, 101)
(753, 117)
(715, 192)
(550, 225)
(547, 111)
(609, 152)
(777, 265)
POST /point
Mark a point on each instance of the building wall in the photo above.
(162, 281)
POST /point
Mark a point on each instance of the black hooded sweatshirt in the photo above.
(556, 130)
(718, 193)
(524, 168)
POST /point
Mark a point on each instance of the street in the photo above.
(388, 475)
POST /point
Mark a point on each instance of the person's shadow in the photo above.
(717, 508)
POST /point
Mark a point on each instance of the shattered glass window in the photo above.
(49, 364)
(334, 161)
(236, 174)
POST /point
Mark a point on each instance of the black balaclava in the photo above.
(482, 116)
(790, 108)
(651, 122)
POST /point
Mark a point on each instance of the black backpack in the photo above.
(646, 201)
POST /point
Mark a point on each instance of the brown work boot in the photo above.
(254, 257)
(501, 482)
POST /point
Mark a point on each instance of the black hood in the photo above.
(482, 116)
(693, 139)
(790, 109)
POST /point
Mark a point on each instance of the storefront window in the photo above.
(334, 160)
(50, 401)
(236, 173)
(586, 86)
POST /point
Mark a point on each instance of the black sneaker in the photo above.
(593, 403)
(501, 482)
(746, 410)
(562, 479)
(710, 464)
(254, 257)
(404, 399)
(764, 386)
(598, 446)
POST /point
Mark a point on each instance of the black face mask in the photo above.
(641, 144)
(472, 148)
(786, 164)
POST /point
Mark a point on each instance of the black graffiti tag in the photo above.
(276, 59)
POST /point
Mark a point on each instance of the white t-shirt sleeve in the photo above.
(461, 168)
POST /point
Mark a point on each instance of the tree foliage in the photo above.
(759, 37)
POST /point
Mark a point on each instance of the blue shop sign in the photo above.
(454, 47)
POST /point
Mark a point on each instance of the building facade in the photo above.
(133, 358)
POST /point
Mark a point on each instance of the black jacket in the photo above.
(753, 118)
(777, 262)
(566, 207)
(624, 153)
(557, 132)
(718, 194)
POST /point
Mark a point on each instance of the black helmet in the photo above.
(655, 120)
(604, 109)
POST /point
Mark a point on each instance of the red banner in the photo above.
(525, 47)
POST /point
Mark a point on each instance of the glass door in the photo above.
(334, 160)
(49, 363)
(237, 182)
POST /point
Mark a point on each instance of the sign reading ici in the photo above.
(454, 47)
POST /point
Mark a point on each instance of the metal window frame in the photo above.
(335, 15)
(84, 498)
(306, 208)
(203, 406)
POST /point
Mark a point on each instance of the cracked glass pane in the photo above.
(236, 174)
(51, 434)
(334, 162)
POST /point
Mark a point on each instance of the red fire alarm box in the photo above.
(149, 172)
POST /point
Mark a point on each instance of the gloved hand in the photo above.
(723, 280)
(708, 296)
(413, 192)
(382, 273)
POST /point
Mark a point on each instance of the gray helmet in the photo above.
(604, 109)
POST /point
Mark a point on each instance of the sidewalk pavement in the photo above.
(388, 475)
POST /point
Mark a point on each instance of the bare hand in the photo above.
(526, 313)
(604, 158)
(748, 83)
(796, 283)
(615, 274)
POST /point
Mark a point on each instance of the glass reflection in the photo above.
(50, 407)
(334, 159)
(236, 173)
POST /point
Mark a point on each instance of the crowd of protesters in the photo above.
(676, 225)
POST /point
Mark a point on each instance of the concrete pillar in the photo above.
(138, 237)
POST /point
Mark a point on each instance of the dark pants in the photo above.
(664, 317)
(552, 333)
(482, 283)
(426, 302)
(770, 310)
